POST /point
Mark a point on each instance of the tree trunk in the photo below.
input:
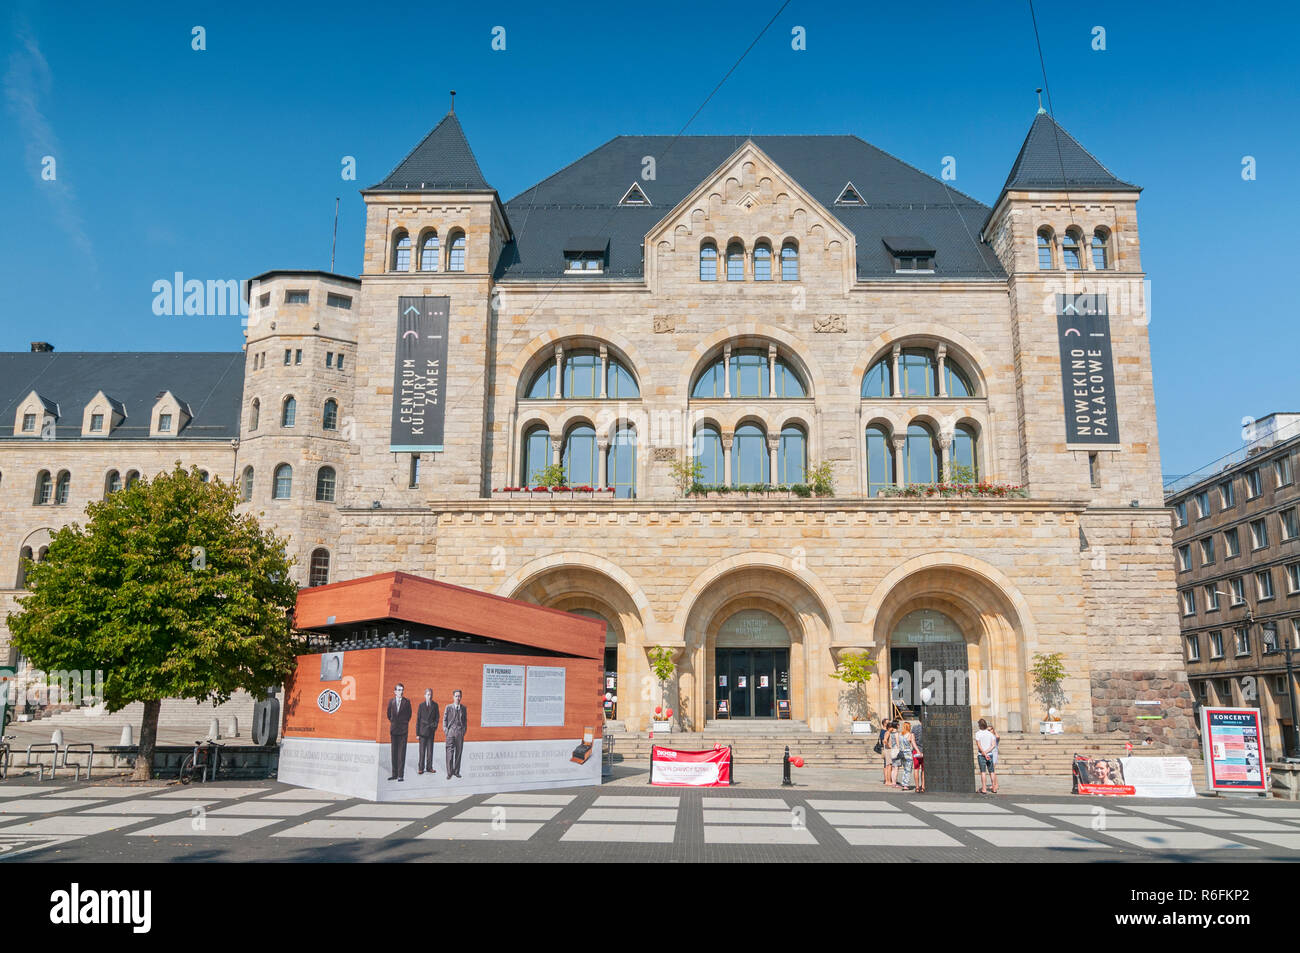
(148, 741)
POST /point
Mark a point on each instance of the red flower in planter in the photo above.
(541, 489)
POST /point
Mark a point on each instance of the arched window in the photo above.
(965, 456)
(1100, 249)
(708, 453)
(956, 381)
(792, 456)
(289, 412)
(919, 372)
(542, 386)
(429, 252)
(708, 262)
(456, 258)
(44, 487)
(401, 251)
(620, 383)
(320, 568)
(246, 484)
(24, 557)
(579, 457)
(750, 460)
(789, 262)
(282, 487)
(254, 413)
(330, 418)
(1044, 249)
(112, 482)
(735, 262)
(762, 262)
(880, 460)
(325, 485)
(1070, 250)
(879, 379)
(42, 553)
(749, 376)
(132, 476)
(203, 476)
(581, 374)
(537, 455)
(621, 466)
(921, 457)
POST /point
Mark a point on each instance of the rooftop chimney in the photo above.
(42, 347)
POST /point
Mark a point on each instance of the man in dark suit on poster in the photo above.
(426, 727)
(399, 724)
(455, 719)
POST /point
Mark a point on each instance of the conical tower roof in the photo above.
(442, 162)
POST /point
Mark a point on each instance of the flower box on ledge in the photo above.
(661, 726)
(552, 494)
(930, 491)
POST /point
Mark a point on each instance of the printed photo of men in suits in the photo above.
(455, 718)
(399, 723)
(426, 726)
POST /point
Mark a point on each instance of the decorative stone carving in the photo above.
(830, 324)
(664, 454)
(665, 323)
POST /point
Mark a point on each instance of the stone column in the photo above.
(943, 378)
(559, 371)
(604, 369)
(727, 438)
(773, 448)
(726, 370)
(945, 455)
(771, 370)
(900, 468)
(602, 450)
(897, 384)
(556, 443)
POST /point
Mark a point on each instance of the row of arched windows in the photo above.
(585, 461)
(56, 488)
(751, 456)
(1072, 249)
(916, 372)
(282, 484)
(916, 457)
(583, 373)
(289, 413)
(318, 574)
(760, 262)
(430, 252)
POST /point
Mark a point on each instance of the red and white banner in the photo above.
(690, 768)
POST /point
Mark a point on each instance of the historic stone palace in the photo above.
(714, 390)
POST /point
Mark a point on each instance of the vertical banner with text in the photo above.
(1087, 370)
(419, 374)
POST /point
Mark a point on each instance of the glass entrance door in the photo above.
(752, 680)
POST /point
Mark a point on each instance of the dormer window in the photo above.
(849, 196)
(169, 416)
(585, 254)
(586, 261)
(29, 423)
(634, 196)
(915, 263)
(164, 423)
(96, 423)
(102, 415)
(910, 253)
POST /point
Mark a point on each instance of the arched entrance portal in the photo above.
(752, 666)
(912, 636)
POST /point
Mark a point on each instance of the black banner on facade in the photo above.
(1087, 371)
(419, 375)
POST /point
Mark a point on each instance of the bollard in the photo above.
(785, 769)
(233, 731)
(57, 737)
(125, 741)
(214, 730)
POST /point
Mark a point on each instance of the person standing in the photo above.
(399, 724)
(426, 727)
(454, 722)
(918, 760)
(882, 749)
(905, 749)
(891, 753)
(986, 742)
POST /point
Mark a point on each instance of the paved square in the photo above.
(619, 800)
(1052, 839)
(40, 805)
(1073, 807)
(1281, 813)
(899, 837)
(624, 833)
(757, 835)
(1176, 840)
(150, 805)
(631, 815)
(78, 824)
(305, 794)
(507, 813)
(207, 826)
(409, 811)
(992, 820)
(557, 799)
(821, 805)
(1176, 810)
(1114, 822)
(1237, 825)
(192, 791)
(1289, 841)
(99, 791)
(479, 830)
(729, 816)
(862, 819)
(961, 807)
(25, 790)
(343, 828)
(755, 803)
(265, 808)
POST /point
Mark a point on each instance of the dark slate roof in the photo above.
(442, 162)
(1051, 158)
(582, 199)
(209, 384)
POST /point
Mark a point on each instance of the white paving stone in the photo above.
(961, 807)
(207, 826)
(210, 791)
(620, 800)
(621, 833)
(536, 799)
(40, 805)
(25, 790)
(730, 816)
(507, 813)
(1177, 840)
(101, 791)
(755, 803)
(408, 811)
(1289, 841)
(1175, 810)
(265, 808)
(630, 815)
(80, 824)
(1052, 839)
(870, 806)
(754, 834)
(1072, 807)
(969, 821)
(1125, 823)
(1281, 813)
(898, 837)
(151, 805)
(346, 828)
(306, 794)
(1236, 825)
(862, 819)
(479, 830)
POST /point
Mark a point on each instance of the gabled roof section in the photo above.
(442, 162)
(1051, 158)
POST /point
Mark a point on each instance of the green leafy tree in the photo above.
(687, 473)
(855, 670)
(169, 592)
(1048, 671)
(663, 666)
(551, 475)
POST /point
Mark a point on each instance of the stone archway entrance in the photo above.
(751, 664)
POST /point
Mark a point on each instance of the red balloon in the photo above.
(797, 762)
(658, 710)
(669, 713)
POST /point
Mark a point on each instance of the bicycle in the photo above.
(205, 755)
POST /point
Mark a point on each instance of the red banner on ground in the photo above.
(1099, 776)
(674, 768)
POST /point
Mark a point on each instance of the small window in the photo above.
(1202, 504)
(1185, 557)
(246, 484)
(1242, 638)
(849, 196)
(338, 365)
(789, 262)
(339, 301)
(296, 297)
(265, 300)
(456, 261)
(401, 251)
(62, 487)
(329, 358)
(762, 263)
(914, 263)
(429, 252)
(96, 423)
(414, 482)
(1282, 471)
(735, 262)
(1227, 498)
(325, 479)
(1231, 543)
(1225, 685)
(1094, 472)
(1293, 578)
(1211, 598)
(289, 412)
(288, 356)
(1290, 525)
(1237, 588)
(1268, 642)
(708, 262)
(1279, 685)
(1258, 534)
(282, 488)
(112, 482)
(1100, 250)
(1254, 486)
(320, 568)
(29, 423)
(1264, 584)
(297, 356)
(1193, 649)
(254, 413)
(1207, 551)
(1044, 249)
(164, 423)
(330, 418)
(588, 261)
(1180, 513)
(1216, 645)
(1189, 602)
(1203, 689)
(203, 476)
(1070, 251)
(634, 196)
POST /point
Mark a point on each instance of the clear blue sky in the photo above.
(225, 163)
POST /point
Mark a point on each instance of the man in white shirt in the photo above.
(986, 742)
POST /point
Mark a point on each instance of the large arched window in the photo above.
(401, 251)
(621, 466)
(330, 417)
(919, 373)
(581, 378)
(246, 484)
(537, 455)
(282, 487)
(879, 379)
(921, 456)
(1044, 249)
(62, 486)
(579, 457)
(750, 460)
(581, 374)
(789, 262)
(429, 252)
(1100, 249)
(880, 460)
(762, 262)
(44, 487)
(735, 262)
(288, 412)
(965, 455)
(792, 456)
(748, 375)
(325, 479)
(1070, 250)
(708, 262)
(320, 568)
(456, 255)
(112, 482)
(708, 453)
